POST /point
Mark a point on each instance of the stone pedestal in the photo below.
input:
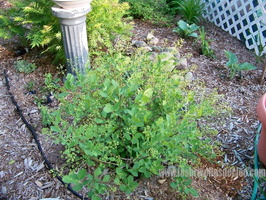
(73, 26)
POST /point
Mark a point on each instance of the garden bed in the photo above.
(23, 174)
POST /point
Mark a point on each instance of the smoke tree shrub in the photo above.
(34, 24)
(128, 118)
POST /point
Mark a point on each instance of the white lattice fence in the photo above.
(244, 19)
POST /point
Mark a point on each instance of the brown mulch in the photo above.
(23, 174)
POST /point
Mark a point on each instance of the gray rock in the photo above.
(178, 56)
(150, 36)
(170, 49)
(189, 77)
(182, 64)
(157, 49)
(138, 43)
(146, 49)
(154, 41)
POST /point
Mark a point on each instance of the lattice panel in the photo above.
(244, 19)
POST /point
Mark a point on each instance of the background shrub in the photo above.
(32, 21)
(155, 11)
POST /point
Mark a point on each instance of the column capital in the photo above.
(70, 13)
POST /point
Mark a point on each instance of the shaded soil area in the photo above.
(23, 174)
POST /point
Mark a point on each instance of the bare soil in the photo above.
(23, 174)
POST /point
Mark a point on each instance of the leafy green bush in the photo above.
(191, 10)
(128, 118)
(155, 11)
(105, 23)
(24, 66)
(33, 22)
(185, 30)
(234, 67)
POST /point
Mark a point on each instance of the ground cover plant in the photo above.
(128, 119)
(24, 66)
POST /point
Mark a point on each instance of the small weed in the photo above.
(30, 86)
(260, 57)
(24, 66)
(205, 45)
(51, 84)
(234, 67)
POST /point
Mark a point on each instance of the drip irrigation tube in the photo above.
(34, 134)
(256, 179)
(256, 166)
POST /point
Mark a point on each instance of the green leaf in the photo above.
(97, 172)
(56, 129)
(134, 172)
(127, 136)
(90, 163)
(95, 197)
(231, 57)
(174, 185)
(117, 181)
(116, 106)
(193, 35)
(103, 94)
(148, 93)
(183, 25)
(123, 187)
(191, 191)
(246, 66)
(62, 95)
(187, 182)
(71, 178)
(130, 179)
(77, 187)
(99, 121)
(115, 83)
(81, 174)
(193, 27)
(108, 108)
(133, 185)
(106, 178)
(11, 162)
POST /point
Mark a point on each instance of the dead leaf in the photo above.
(161, 181)
(38, 183)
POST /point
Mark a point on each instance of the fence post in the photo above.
(73, 27)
